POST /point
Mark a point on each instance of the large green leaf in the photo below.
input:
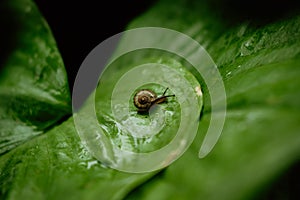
(57, 166)
(34, 97)
(259, 64)
(34, 92)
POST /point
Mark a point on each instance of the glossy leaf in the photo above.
(34, 92)
(34, 97)
(259, 63)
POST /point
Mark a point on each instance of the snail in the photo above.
(144, 99)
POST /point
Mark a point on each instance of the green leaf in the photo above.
(57, 166)
(34, 96)
(259, 64)
(34, 92)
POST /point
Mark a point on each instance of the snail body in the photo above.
(144, 99)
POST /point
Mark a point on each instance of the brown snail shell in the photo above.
(144, 99)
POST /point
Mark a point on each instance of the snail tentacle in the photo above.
(144, 99)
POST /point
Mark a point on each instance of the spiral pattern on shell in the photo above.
(143, 99)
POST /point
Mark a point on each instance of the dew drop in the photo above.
(91, 163)
(198, 91)
(247, 48)
(228, 74)
(61, 145)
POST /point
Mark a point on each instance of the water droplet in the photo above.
(84, 154)
(91, 163)
(61, 145)
(247, 48)
(63, 156)
(198, 91)
(228, 74)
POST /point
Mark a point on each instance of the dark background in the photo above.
(79, 26)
